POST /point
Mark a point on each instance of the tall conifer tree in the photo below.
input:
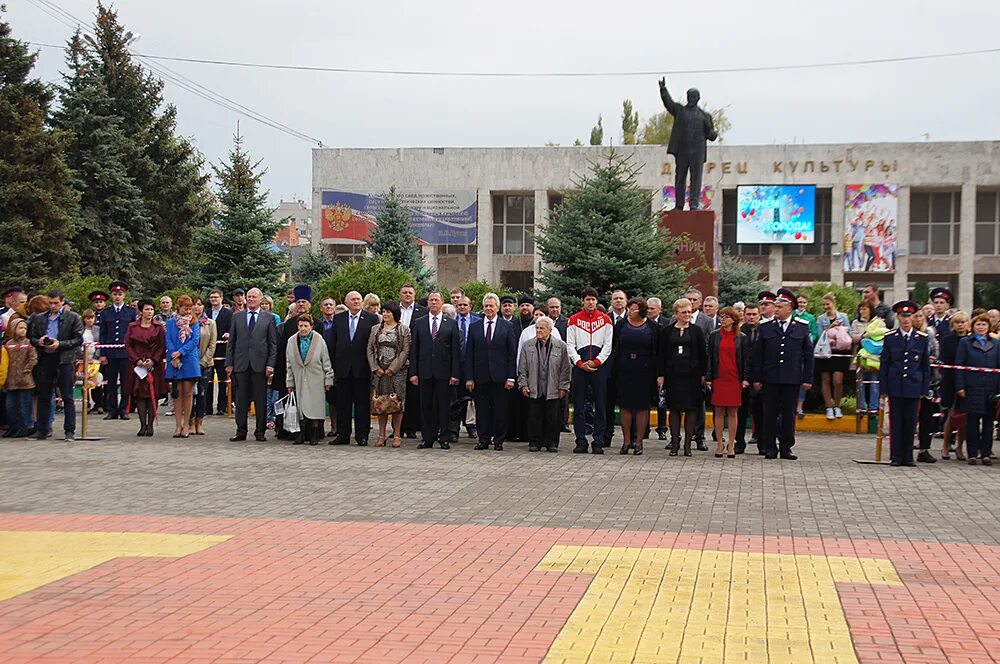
(394, 240)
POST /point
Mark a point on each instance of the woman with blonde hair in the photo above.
(833, 325)
(183, 336)
(683, 362)
(372, 303)
(954, 423)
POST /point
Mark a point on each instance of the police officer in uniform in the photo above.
(114, 322)
(904, 376)
(98, 302)
(782, 363)
(942, 299)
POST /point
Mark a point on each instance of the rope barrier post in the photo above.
(229, 398)
(85, 406)
(857, 400)
(883, 414)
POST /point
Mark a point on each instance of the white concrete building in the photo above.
(948, 228)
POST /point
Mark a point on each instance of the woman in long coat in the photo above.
(309, 374)
(146, 346)
(976, 390)
(683, 361)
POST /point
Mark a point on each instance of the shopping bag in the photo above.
(292, 414)
(822, 349)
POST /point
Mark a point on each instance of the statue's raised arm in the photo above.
(668, 102)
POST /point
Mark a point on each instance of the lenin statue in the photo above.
(692, 127)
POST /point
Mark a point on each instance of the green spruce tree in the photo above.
(393, 239)
(112, 219)
(606, 236)
(239, 252)
(165, 167)
(314, 266)
(37, 203)
(597, 133)
(630, 123)
(739, 280)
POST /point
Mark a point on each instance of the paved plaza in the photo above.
(205, 550)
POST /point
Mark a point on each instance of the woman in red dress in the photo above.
(146, 346)
(728, 364)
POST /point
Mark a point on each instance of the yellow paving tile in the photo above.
(677, 605)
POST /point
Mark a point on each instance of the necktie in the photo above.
(463, 328)
(489, 331)
(784, 327)
(354, 326)
(434, 327)
(253, 321)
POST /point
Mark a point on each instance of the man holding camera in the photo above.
(56, 334)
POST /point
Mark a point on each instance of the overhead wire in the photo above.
(174, 77)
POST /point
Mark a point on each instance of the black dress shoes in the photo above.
(770, 455)
(702, 447)
(498, 447)
(788, 456)
(425, 445)
(895, 464)
(110, 416)
(473, 432)
(445, 445)
(534, 448)
(123, 415)
(363, 442)
(481, 446)
(238, 437)
(926, 457)
(259, 437)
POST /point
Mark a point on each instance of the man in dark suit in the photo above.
(654, 312)
(114, 323)
(490, 369)
(250, 356)
(347, 341)
(409, 311)
(56, 335)
(223, 317)
(782, 364)
(751, 405)
(301, 305)
(617, 312)
(464, 410)
(435, 368)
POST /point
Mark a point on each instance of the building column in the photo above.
(837, 235)
(967, 248)
(900, 278)
(776, 266)
(429, 255)
(484, 233)
(541, 221)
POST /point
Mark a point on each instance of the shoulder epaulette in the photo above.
(922, 334)
(892, 331)
(802, 320)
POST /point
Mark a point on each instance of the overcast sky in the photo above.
(949, 99)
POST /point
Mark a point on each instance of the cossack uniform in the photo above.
(904, 377)
(942, 324)
(114, 323)
(782, 361)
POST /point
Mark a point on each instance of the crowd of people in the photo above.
(506, 369)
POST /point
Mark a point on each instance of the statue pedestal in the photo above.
(701, 251)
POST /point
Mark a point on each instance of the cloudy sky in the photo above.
(947, 99)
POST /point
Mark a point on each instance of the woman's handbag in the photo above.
(822, 349)
(385, 404)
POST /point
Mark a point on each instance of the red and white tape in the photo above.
(965, 368)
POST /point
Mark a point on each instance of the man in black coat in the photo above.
(751, 405)
(347, 341)
(56, 335)
(435, 366)
(223, 317)
(409, 311)
(302, 304)
(490, 369)
(250, 357)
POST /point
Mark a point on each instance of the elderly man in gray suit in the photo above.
(250, 357)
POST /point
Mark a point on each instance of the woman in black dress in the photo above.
(683, 361)
(637, 376)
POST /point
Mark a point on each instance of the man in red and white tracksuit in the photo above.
(588, 337)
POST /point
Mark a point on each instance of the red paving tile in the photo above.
(375, 592)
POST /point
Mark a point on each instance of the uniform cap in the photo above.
(785, 295)
(98, 295)
(905, 308)
(117, 286)
(943, 293)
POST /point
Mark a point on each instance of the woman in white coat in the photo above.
(309, 375)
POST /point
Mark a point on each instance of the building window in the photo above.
(988, 223)
(824, 217)
(513, 224)
(934, 222)
(343, 253)
(729, 245)
(457, 249)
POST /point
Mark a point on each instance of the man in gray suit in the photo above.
(250, 357)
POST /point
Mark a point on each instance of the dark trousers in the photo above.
(515, 413)
(411, 415)
(564, 411)
(543, 422)
(217, 371)
(661, 420)
(902, 428)
(51, 375)
(201, 404)
(610, 396)
(435, 403)
(251, 386)
(927, 423)
(114, 372)
(684, 165)
(354, 398)
(978, 435)
(491, 412)
(597, 381)
(746, 407)
(699, 420)
(780, 401)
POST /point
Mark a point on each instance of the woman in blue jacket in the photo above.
(976, 391)
(183, 361)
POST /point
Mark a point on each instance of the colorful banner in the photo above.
(870, 212)
(670, 200)
(776, 214)
(437, 216)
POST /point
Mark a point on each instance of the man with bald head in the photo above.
(347, 341)
(250, 357)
